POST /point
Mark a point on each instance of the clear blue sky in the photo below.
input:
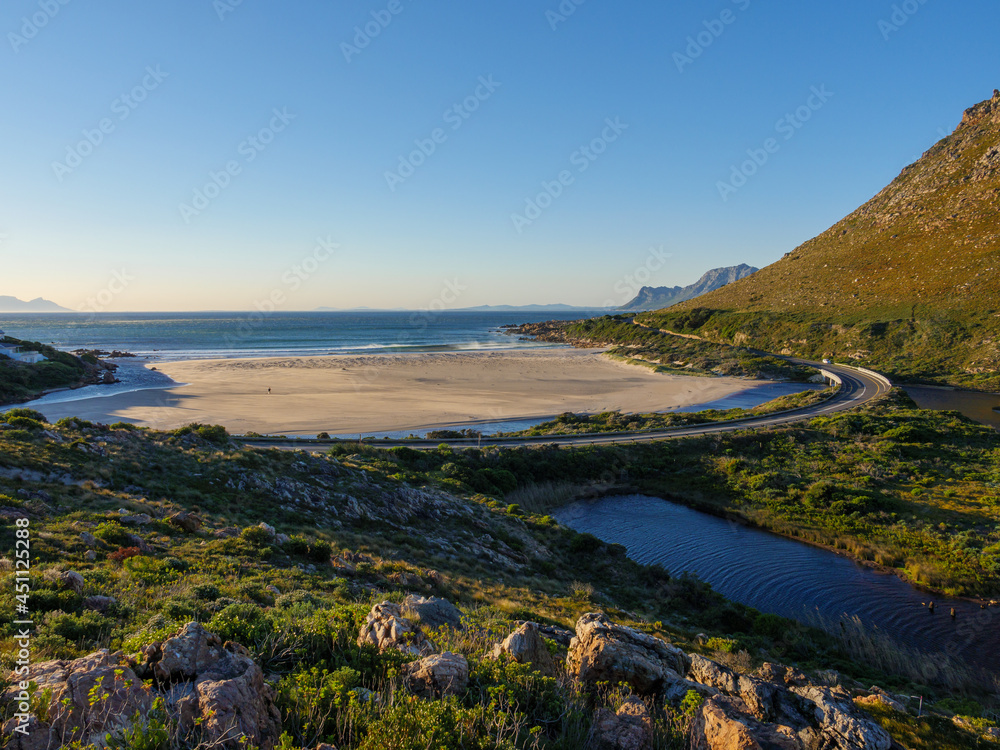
(69, 226)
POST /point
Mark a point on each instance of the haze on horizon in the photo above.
(382, 153)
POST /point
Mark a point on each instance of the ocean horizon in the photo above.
(225, 335)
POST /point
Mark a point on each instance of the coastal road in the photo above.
(857, 386)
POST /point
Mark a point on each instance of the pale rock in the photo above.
(186, 521)
(605, 652)
(759, 696)
(525, 646)
(432, 613)
(385, 627)
(631, 728)
(437, 676)
(72, 580)
(72, 716)
(724, 723)
(841, 722)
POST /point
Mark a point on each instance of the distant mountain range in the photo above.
(658, 297)
(481, 308)
(37, 305)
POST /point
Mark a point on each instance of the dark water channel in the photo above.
(795, 580)
(982, 407)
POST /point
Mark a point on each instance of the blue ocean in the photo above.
(222, 335)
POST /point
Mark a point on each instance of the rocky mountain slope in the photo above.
(656, 297)
(909, 282)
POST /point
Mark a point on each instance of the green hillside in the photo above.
(908, 283)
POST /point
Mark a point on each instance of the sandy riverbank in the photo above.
(364, 394)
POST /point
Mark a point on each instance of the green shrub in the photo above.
(22, 413)
(320, 551)
(502, 682)
(80, 628)
(727, 645)
(149, 732)
(961, 706)
(25, 423)
(583, 543)
(211, 433)
(113, 533)
(243, 623)
(296, 598)
(415, 724)
(310, 700)
(256, 535)
(770, 626)
(206, 592)
(296, 546)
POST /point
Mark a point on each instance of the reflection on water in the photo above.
(982, 407)
(779, 575)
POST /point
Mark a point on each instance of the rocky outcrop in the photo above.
(432, 613)
(758, 695)
(525, 646)
(724, 723)
(840, 722)
(778, 711)
(215, 690)
(186, 521)
(605, 652)
(71, 714)
(72, 580)
(772, 715)
(386, 628)
(630, 728)
(437, 676)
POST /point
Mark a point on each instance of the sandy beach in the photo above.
(379, 393)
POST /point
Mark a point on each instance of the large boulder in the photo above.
(214, 690)
(631, 728)
(759, 696)
(187, 654)
(437, 676)
(788, 712)
(525, 646)
(385, 627)
(724, 723)
(72, 580)
(605, 652)
(842, 724)
(186, 521)
(432, 613)
(71, 714)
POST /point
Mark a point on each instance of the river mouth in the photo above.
(789, 578)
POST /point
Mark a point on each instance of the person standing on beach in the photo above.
(268, 391)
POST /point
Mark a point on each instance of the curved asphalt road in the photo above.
(857, 387)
